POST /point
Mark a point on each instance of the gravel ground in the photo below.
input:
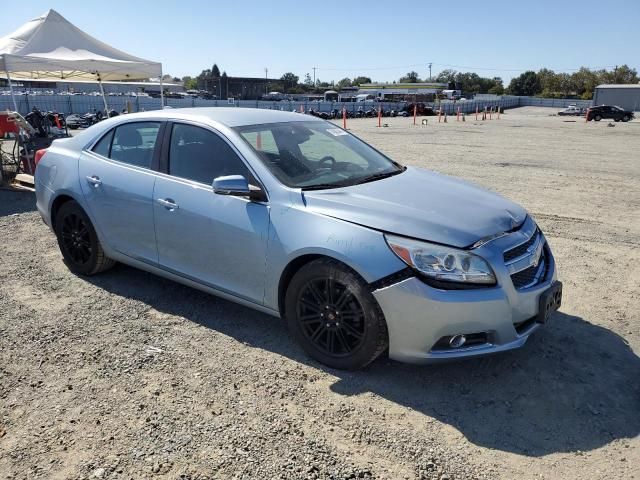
(126, 375)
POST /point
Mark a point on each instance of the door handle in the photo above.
(94, 180)
(168, 203)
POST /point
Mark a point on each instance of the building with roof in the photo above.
(401, 91)
(86, 86)
(240, 88)
(626, 96)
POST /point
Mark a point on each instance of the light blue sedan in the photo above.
(295, 217)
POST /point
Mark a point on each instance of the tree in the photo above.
(410, 77)
(470, 82)
(585, 82)
(446, 76)
(360, 80)
(215, 71)
(223, 85)
(497, 88)
(289, 80)
(190, 83)
(565, 84)
(621, 74)
(526, 84)
(549, 82)
(345, 82)
(307, 80)
(276, 87)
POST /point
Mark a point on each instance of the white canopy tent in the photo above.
(51, 48)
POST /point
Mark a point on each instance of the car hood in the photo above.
(421, 204)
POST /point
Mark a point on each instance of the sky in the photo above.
(379, 39)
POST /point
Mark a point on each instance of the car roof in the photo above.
(228, 116)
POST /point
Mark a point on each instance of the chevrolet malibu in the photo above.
(297, 218)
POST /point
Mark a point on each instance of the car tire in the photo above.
(333, 315)
(79, 242)
(626, 118)
(597, 118)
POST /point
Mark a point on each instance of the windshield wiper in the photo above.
(348, 183)
(378, 176)
(324, 186)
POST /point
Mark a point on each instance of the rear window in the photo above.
(104, 145)
(134, 143)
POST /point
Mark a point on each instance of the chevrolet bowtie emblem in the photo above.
(535, 257)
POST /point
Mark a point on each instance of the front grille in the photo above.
(521, 249)
(527, 277)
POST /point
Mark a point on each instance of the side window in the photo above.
(104, 145)
(200, 155)
(134, 143)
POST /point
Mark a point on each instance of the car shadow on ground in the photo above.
(16, 202)
(574, 387)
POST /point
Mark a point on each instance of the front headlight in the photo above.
(442, 263)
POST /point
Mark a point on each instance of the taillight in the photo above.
(39, 154)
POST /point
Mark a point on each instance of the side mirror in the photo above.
(234, 185)
(237, 186)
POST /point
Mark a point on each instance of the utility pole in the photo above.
(430, 71)
(266, 80)
(314, 77)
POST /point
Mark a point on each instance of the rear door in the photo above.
(117, 176)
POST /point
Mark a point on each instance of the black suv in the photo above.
(606, 111)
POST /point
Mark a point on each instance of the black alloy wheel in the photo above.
(334, 316)
(331, 317)
(76, 241)
(79, 242)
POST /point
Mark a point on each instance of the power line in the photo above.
(519, 69)
(466, 67)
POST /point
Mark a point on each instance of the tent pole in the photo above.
(13, 97)
(161, 93)
(104, 99)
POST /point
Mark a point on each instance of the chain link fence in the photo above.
(81, 104)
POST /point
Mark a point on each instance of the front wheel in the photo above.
(334, 316)
(626, 118)
(78, 241)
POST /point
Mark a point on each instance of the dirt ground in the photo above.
(126, 375)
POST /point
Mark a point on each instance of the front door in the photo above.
(117, 181)
(214, 239)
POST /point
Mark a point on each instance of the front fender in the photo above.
(295, 232)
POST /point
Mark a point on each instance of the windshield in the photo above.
(316, 155)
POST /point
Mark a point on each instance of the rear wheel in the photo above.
(78, 241)
(597, 118)
(334, 316)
